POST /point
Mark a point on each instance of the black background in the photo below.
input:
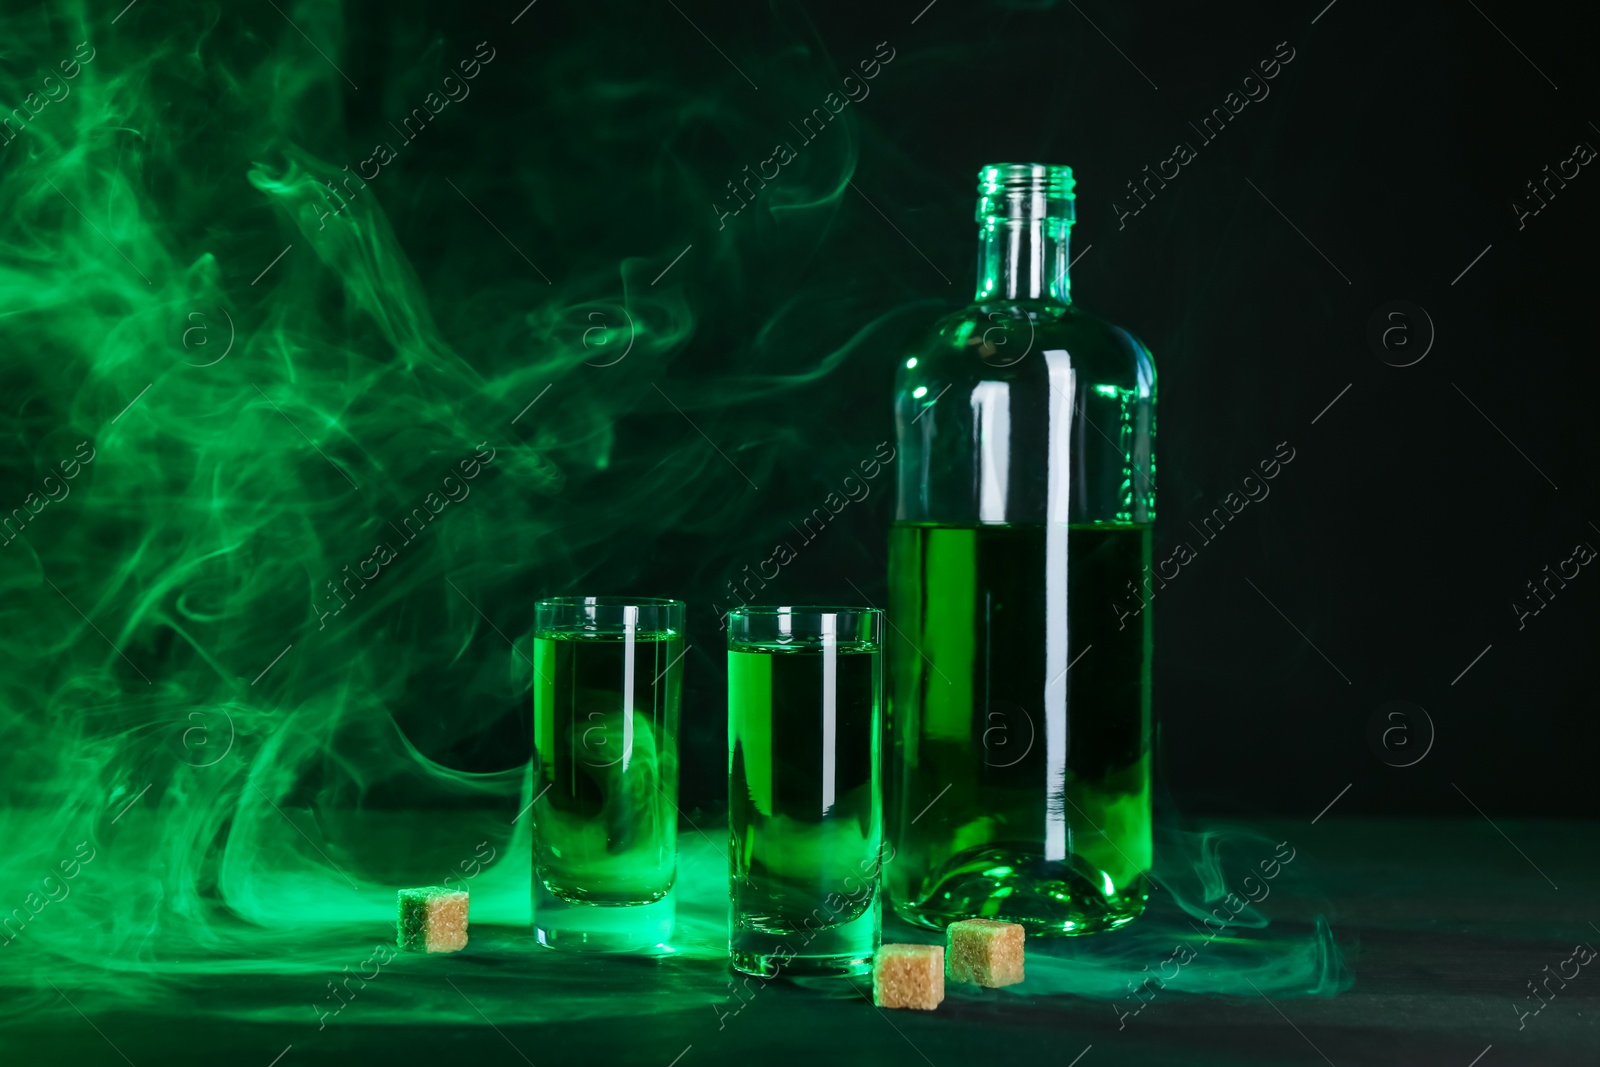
(1395, 143)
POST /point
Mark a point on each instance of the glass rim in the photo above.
(766, 610)
(608, 601)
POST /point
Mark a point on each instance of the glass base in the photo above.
(777, 963)
(1067, 905)
(817, 952)
(635, 929)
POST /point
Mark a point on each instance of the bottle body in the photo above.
(1020, 684)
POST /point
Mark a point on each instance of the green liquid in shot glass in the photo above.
(804, 814)
(606, 783)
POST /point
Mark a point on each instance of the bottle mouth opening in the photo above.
(1023, 191)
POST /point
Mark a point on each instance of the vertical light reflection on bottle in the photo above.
(991, 421)
(1063, 393)
(1036, 260)
(1013, 253)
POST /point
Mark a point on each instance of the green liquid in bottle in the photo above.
(605, 717)
(1024, 786)
(804, 822)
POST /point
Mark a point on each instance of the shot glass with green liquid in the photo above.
(607, 684)
(804, 814)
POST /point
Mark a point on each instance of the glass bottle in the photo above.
(1020, 650)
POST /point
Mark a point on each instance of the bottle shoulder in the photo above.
(1012, 339)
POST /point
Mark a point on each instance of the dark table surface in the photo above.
(1379, 942)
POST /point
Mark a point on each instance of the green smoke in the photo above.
(259, 644)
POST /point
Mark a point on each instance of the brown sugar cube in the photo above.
(908, 976)
(433, 919)
(985, 952)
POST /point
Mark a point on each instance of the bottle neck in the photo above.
(1023, 259)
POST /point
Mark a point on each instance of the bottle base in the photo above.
(934, 917)
(1047, 899)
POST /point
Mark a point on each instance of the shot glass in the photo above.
(607, 684)
(804, 810)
